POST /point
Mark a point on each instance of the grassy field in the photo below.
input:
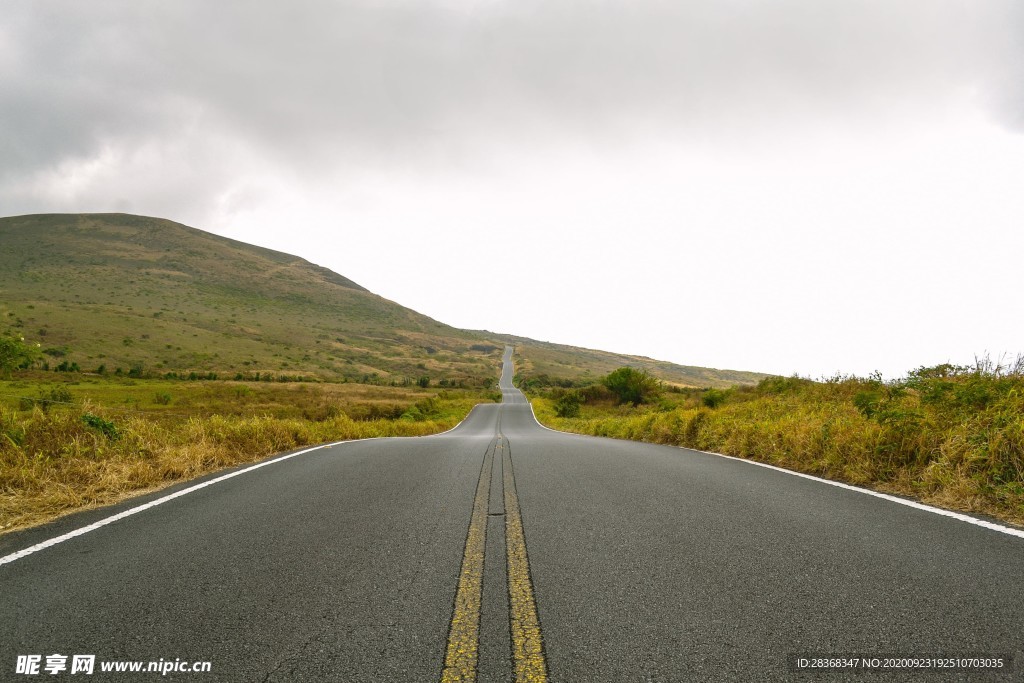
(77, 441)
(951, 437)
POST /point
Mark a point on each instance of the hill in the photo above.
(536, 358)
(127, 291)
(150, 296)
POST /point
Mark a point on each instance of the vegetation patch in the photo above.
(86, 441)
(950, 436)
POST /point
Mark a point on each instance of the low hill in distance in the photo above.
(149, 296)
(534, 358)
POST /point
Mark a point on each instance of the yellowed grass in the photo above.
(51, 463)
(972, 464)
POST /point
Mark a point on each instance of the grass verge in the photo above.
(948, 436)
(78, 445)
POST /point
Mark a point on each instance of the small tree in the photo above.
(423, 381)
(633, 386)
(713, 398)
(16, 353)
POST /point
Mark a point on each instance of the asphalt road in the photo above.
(505, 550)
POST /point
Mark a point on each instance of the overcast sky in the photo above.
(789, 186)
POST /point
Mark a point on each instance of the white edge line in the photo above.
(160, 501)
(1019, 533)
(177, 494)
(530, 403)
(1010, 531)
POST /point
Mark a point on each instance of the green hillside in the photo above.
(123, 291)
(150, 297)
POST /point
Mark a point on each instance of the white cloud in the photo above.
(789, 186)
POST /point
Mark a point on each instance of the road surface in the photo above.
(505, 551)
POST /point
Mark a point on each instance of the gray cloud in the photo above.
(316, 85)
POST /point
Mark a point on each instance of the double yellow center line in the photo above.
(462, 654)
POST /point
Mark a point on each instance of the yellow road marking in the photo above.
(462, 653)
(527, 645)
(460, 658)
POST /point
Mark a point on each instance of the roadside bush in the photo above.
(633, 386)
(362, 412)
(950, 436)
(713, 398)
(426, 409)
(568, 405)
(597, 393)
(413, 415)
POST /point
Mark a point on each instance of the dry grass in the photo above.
(52, 462)
(950, 437)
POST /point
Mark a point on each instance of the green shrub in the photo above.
(597, 393)
(413, 415)
(867, 403)
(16, 353)
(713, 398)
(106, 427)
(782, 385)
(633, 386)
(61, 395)
(428, 406)
(568, 405)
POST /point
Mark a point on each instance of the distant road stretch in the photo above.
(504, 551)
